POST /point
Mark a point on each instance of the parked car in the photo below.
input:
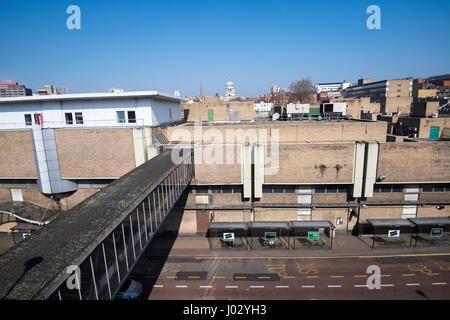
(130, 290)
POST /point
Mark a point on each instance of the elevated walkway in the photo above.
(102, 237)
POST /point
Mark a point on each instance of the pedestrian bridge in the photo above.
(102, 237)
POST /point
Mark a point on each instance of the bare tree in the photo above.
(302, 91)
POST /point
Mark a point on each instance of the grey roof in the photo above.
(390, 222)
(270, 224)
(312, 224)
(26, 227)
(228, 225)
(74, 234)
(93, 96)
(430, 220)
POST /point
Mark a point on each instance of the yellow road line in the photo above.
(288, 277)
(194, 277)
(215, 277)
(264, 277)
(171, 277)
(331, 257)
(408, 275)
(336, 276)
(433, 274)
(310, 277)
(385, 275)
(241, 277)
(360, 276)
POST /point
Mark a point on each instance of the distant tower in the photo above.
(229, 89)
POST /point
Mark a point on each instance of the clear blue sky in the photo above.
(173, 45)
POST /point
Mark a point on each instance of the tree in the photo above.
(302, 91)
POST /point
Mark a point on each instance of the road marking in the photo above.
(241, 277)
(308, 286)
(311, 277)
(256, 287)
(231, 287)
(336, 276)
(264, 277)
(171, 277)
(281, 286)
(288, 277)
(215, 277)
(385, 275)
(387, 285)
(334, 286)
(408, 275)
(439, 283)
(206, 286)
(433, 274)
(181, 286)
(360, 285)
(360, 276)
(158, 286)
(413, 284)
(194, 277)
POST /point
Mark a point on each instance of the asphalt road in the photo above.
(303, 278)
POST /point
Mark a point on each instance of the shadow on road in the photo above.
(152, 261)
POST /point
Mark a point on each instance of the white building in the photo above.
(109, 109)
(333, 86)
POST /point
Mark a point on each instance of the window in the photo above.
(120, 116)
(28, 121)
(69, 118)
(131, 117)
(436, 188)
(78, 118)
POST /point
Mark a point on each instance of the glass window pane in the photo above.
(319, 189)
(87, 281)
(69, 118)
(28, 120)
(101, 280)
(131, 117)
(331, 189)
(108, 245)
(120, 252)
(120, 116)
(79, 117)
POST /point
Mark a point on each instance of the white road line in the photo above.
(335, 286)
(387, 285)
(231, 287)
(308, 286)
(439, 283)
(158, 286)
(360, 285)
(281, 286)
(256, 286)
(181, 286)
(206, 286)
(413, 284)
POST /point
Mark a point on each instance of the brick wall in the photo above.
(17, 156)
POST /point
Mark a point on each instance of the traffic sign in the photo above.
(313, 235)
(228, 236)
(394, 234)
(437, 232)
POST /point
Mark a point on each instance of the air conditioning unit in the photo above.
(435, 115)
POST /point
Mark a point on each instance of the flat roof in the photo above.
(92, 96)
(269, 224)
(390, 222)
(312, 224)
(228, 225)
(75, 233)
(430, 220)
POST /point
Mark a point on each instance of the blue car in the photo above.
(130, 290)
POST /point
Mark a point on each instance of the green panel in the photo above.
(210, 115)
(313, 235)
(434, 133)
(314, 111)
